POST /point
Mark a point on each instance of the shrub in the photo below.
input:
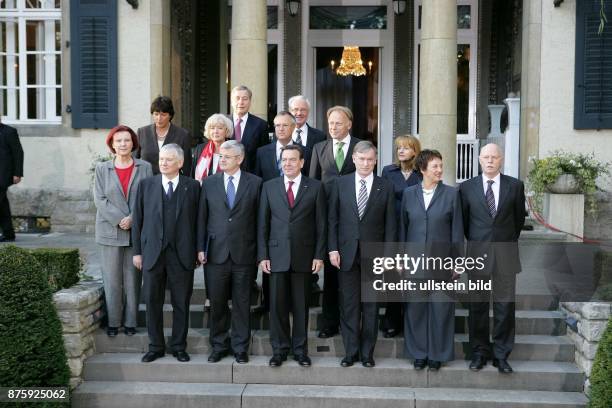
(601, 374)
(31, 345)
(62, 266)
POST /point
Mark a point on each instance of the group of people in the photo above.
(299, 205)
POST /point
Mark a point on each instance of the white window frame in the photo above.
(16, 21)
(464, 36)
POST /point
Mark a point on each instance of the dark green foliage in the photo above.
(31, 344)
(601, 375)
(62, 266)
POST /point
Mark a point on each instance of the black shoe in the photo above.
(4, 238)
(277, 360)
(242, 357)
(129, 331)
(152, 356)
(303, 360)
(478, 362)
(327, 333)
(368, 362)
(348, 361)
(216, 356)
(420, 363)
(502, 366)
(181, 356)
(389, 333)
(112, 331)
(434, 365)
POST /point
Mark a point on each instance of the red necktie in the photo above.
(238, 131)
(290, 196)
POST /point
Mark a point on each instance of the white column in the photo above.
(511, 143)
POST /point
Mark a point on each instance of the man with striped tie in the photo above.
(361, 210)
(493, 216)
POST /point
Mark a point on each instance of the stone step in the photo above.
(527, 347)
(389, 372)
(186, 395)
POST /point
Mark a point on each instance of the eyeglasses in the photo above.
(281, 125)
(226, 156)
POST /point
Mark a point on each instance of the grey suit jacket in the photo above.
(149, 150)
(112, 206)
(292, 237)
(225, 232)
(346, 231)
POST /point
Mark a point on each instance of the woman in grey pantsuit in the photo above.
(431, 220)
(114, 195)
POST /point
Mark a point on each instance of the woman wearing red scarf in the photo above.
(217, 130)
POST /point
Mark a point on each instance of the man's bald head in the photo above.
(491, 160)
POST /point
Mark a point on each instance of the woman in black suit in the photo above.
(402, 173)
(218, 129)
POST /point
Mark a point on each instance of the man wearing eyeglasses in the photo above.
(227, 246)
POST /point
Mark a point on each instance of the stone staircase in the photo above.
(543, 360)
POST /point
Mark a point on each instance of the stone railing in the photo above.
(590, 320)
(80, 309)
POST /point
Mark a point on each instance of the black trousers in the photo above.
(503, 319)
(180, 281)
(230, 281)
(289, 292)
(358, 320)
(6, 223)
(330, 313)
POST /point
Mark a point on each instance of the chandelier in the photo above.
(351, 63)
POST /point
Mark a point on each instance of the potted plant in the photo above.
(567, 173)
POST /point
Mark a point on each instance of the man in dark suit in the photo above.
(227, 233)
(164, 240)
(162, 132)
(361, 210)
(249, 129)
(331, 159)
(493, 212)
(11, 172)
(291, 247)
(303, 133)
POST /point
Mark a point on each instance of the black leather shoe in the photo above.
(277, 360)
(389, 333)
(6, 239)
(477, 363)
(502, 366)
(348, 361)
(368, 362)
(129, 331)
(242, 357)
(112, 331)
(216, 356)
(327, 333)
(181, 356)
(420, 363)
(303, 360)
(152, 356)
(434, 365)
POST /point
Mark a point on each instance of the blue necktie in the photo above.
(170, 191)
(231, 192)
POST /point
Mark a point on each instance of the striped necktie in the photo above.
(362, 199)
(491, 199)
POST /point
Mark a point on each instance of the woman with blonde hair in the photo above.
(218, 129)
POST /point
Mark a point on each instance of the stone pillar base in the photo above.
(566, 212)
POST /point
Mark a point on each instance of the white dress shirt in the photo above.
(303, 135)
(345, 147)
(165, 181)
(494, 187)
(369, 181)
(279, 146)
(296, 184)
(242, 124)
(428, 195)
(236, 180)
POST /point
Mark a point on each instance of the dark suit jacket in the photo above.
(505, 227)
(394, 174)
(323, 166)
(314, 136)
(148, 225)
(149, 150)
(266, 166)
(346, 231)
(292, 237)
(229, 233)
(11, 156)
(254, 135)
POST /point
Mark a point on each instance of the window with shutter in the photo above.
(593, 81)
(93, 27)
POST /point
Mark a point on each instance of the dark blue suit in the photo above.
(266, 165)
